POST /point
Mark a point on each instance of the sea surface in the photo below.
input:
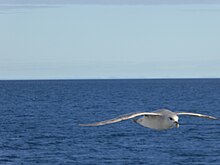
(39, 122)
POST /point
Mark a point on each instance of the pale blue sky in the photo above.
(110, 41)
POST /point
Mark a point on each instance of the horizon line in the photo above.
(73, 79)
(107, 2)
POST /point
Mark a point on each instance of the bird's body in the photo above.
(159, 120)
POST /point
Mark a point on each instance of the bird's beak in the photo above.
(177, 124)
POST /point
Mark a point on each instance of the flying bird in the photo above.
(161, 119)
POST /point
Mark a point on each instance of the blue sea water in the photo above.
(39, 122)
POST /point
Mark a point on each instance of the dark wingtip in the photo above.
(214, 118)
(83, 125)
(88, 125)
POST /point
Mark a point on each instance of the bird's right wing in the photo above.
(196, 115)
(123, 117)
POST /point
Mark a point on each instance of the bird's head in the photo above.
(173, 121)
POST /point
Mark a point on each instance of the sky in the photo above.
(109, 39)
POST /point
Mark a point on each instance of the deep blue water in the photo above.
(39, 122)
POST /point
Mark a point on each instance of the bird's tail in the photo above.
(134, 120)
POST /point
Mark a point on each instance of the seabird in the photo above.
(159, 120)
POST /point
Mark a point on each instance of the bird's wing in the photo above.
(196, 115)
(123, 117)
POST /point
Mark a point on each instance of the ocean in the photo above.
(39, 122)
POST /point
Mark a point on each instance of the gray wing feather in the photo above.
(196, 115)
(121, 118)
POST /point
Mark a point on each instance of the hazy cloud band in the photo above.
(106, 2)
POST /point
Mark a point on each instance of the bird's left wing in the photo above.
(196, 115)
(123, 117)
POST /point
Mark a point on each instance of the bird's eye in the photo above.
(170, 118)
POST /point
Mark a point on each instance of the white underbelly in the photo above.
(153, 122)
